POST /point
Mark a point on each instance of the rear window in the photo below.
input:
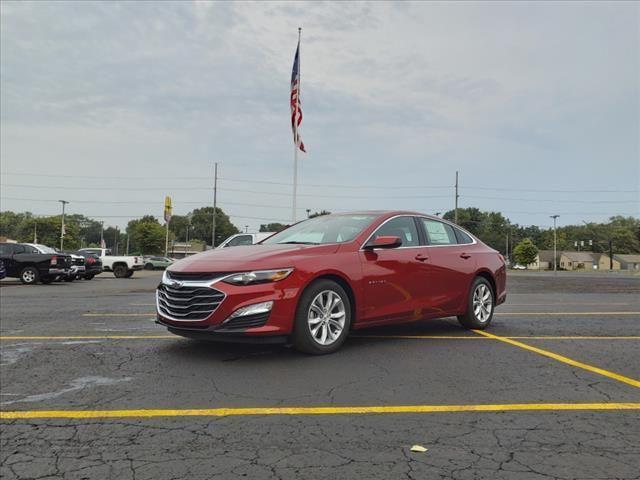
(463, 238)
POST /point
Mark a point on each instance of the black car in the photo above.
(30, 266)
(92, 265)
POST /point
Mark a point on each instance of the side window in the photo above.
(241, 240)
(30, 249)
(6, 249)
(402, 227)
(463, 238)
(19, 249)
(439, 233)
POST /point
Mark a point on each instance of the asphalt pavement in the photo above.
(92, 388)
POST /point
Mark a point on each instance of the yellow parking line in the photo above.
(402, 337)
(564, 313)
(560, 358)
(153, 314)
(531, 337)
(356, 410)
(88, 337)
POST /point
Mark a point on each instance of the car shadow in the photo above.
(216, 351)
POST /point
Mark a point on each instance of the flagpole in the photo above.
(295, 137)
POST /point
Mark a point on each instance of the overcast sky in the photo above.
(142, 98)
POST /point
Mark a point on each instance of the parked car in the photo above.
(121, 266)
(77, 268)
(157, 263)
(92, 264)
(77, 262)
(30, 265)
(315, 281)
(3, 271)
(244, 239)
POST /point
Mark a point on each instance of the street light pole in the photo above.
(555, 242)
(63, 202)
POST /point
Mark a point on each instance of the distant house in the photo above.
(604, 264)
(543, 261)
(628, 261)
(579, 260)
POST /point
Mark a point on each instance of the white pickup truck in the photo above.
(121, 266)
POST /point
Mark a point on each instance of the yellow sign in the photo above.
(168, 210)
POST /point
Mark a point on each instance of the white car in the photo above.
(244, 239)
(121, 266)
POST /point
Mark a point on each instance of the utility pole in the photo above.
(506, 247)
(215, 191)
(63, 202)
(127, 250)
(102, 243)
(555, 245)
(455, 216)
(35, 231)
(246, 228)
(115, 241)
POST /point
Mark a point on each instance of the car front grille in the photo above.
(188, 303)
(195, 276)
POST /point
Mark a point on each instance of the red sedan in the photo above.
(321, 278)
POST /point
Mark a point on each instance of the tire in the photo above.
(47, 280)
(29, 275)
(129, 274)
(313, 323)
(480, 305)
(148, 266)
(120, 271)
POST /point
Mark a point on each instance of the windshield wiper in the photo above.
(293, 242)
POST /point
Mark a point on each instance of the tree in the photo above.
(178, 227)
(146, 235)
(202, 223)
(525, 252)
(272, 227)
(320, 213)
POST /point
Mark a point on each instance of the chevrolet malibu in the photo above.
(319, 279)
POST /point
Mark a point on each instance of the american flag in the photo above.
(296, 111)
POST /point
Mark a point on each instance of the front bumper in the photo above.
(283, 294)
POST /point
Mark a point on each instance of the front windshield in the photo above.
(323, 229)
(44, 248)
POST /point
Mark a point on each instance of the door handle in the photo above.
(465, 255)
(421, 258)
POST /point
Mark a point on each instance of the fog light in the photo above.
(254, 309)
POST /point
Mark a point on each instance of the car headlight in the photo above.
(258, 276)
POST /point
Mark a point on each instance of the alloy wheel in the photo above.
(482, 303)
(29, 276)
(326, 317)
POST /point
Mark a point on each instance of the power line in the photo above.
(269, 182)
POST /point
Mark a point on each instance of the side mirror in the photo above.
(384, 241)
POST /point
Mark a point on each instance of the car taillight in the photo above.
(54, 260)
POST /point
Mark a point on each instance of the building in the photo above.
(181, 249)
(605, 264)
(629, 261)
(579, 260)
(544, 261)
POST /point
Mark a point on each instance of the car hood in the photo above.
(249, 257)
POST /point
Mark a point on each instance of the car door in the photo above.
(451, 267)
(393, 279)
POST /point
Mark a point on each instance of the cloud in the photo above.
(493, 89)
